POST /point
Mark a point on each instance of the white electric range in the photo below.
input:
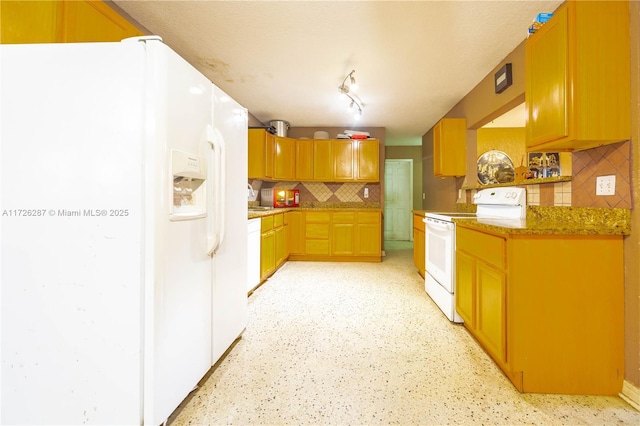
(502, 206)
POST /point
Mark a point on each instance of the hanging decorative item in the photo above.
(495, 167)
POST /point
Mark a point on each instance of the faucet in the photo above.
(253, 193)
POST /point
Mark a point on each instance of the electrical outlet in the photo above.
(606, 185)
(366, 193)
(423, 195)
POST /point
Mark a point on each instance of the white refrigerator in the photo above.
(123, 231)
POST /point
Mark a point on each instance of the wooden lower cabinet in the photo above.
(368, 238)
(274, 244)
(267, 247)
(343, 234)
(418, 243)
(548, 309)
(296, 231)
(337, 235)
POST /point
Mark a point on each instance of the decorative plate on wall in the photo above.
(495, 167)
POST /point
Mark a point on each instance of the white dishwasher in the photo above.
(253, 254)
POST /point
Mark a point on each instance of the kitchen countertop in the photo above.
(560, 221)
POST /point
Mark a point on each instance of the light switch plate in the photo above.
(606, 185)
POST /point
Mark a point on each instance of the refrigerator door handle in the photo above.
(216, 232)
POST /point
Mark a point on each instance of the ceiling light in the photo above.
(345, 88)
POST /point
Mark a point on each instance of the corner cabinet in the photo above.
(551, 328)
(578, 78)
(450, 147)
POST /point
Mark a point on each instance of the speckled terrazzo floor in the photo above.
(362, 344)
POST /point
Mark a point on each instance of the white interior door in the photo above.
(398, 190)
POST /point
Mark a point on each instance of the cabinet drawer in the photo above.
(266, 224)
(418, 222)
(368, 217)
(317, 230)
(278, 220)
(489, 248)
(344, 217)
(322, 217)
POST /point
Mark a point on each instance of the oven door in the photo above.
(440, 239)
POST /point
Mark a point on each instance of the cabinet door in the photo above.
(267, 254)
(369, 234)
(418, 243)
(465, 288)
(491, 310)
(256, 154)
(280, 245)
(418, 250)
(304, 160)
(269, 156)
(547, 71)
(94, 21)
(296, 233)
(343, 233)
(368, 160)
(343, 152)
(322, 160)
(31, 21)
(450, 147)
(284, 158)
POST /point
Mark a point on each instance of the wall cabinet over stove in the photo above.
(551, 327)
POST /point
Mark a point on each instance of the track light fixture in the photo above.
(345, 88)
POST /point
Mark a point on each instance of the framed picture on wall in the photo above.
(544, 164)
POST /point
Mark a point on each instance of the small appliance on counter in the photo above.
(279, 197)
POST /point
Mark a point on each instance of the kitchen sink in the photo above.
(259, 208)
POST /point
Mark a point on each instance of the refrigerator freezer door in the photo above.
(178, 293)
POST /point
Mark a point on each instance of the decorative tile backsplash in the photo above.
(327, 191)
(602, 161)
(580, 191)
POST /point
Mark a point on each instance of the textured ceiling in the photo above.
(414, 60)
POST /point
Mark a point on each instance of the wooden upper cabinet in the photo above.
(62, 21)
(256, 153)
(450, 147)
(322, 160)
(304, 159)
(284, 166)
(87, 21)
(368, 157)
(325, 160)
(578, 78)
(269, 155)
(343, 166)
(30, 21)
